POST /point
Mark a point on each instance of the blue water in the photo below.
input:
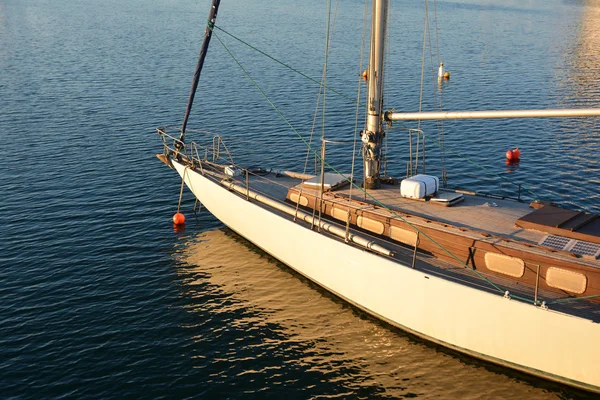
(101, 298)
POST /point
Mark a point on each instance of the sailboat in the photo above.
(516, 284)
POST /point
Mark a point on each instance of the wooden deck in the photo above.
(475, 213)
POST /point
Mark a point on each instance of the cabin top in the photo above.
(548, 225)
(563, 222)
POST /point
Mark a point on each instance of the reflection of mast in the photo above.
(333, 337)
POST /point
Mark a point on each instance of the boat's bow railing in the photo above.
(206, 146)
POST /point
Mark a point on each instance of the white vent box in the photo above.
(233, 171)
(419, 186)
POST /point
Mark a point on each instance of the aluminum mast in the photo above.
(372, 136)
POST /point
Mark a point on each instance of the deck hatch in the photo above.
(331, 181)
(558, 221)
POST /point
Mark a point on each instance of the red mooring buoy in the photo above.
(513, 155)
(178, 219)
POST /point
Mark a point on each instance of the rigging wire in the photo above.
(328, 34)
(356, 128)
(571, 299)
(421, 148)
(425, 31)
(310, 139)
(386, 75)
(440, 124)
(324, 85)
(441, 145)
(438, 142)
(282, 63)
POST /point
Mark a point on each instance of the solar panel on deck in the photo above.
(586, 249)
(555, 242)
(574, 246)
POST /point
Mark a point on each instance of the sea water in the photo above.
(101, 298)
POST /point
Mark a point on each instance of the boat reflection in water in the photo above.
(286, 325)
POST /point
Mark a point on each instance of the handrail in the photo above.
(190, 149)
(325, 225)
(339, 141)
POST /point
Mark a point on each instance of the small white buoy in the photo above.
(441, 71)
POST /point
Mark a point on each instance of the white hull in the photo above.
(546, 343)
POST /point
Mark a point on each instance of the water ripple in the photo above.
(102, 298)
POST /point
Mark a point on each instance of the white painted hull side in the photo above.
(542, 342)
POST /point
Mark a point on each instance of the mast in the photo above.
(212, 16)
(372, 136)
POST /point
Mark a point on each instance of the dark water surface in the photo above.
(101, 298)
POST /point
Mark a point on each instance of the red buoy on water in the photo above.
(178, 219)
(513, 155)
